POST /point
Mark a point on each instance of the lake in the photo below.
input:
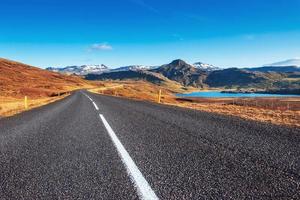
(218, 94)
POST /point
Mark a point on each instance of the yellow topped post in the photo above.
(159, 96)
(26, 102)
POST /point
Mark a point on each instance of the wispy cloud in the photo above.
(100, 47)
(144, 5)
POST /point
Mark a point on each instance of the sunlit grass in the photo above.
(284, 111)
(10, 106)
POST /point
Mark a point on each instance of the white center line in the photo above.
(88, 97)
(96, 106)
(145, 191)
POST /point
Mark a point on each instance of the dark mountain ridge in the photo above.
(188, 75)
(275, 69)
(182, 72)
(126, 75)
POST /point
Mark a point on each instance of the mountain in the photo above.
(132, 68)
(275, 69)
(235, 77)
(291, 65)
(291, 62)
(96, 69)
(80, 70)
(189, 75)
(205, 76)
(205, 67)
(182, 72)
(128, 75)
(18, 79)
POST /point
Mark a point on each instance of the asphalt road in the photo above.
(89, 146)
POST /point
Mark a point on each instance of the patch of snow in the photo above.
(133, 68)
(205, 67)
(81, 70)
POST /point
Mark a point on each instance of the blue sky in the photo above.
(226, 33)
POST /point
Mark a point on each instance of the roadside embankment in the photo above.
(10, 106)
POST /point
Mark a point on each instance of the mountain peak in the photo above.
(178, 62)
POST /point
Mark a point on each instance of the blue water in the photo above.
(216, 94)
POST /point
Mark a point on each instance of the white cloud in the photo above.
(101, 47)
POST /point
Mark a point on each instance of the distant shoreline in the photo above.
(275, 91)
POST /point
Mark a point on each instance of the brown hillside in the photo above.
(18, 80)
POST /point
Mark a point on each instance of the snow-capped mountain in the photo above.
(291, 62)
(133, 68)
(81, 70)
(205, 67)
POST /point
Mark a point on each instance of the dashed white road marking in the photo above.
(88, 97)
(95, 105)
(145, 191)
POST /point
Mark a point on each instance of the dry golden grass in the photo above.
(146, 91)
(279, 117)
(41, 86)
(10, 106)
(18, 80)
(140, 90)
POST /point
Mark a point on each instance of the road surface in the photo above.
(90, 146)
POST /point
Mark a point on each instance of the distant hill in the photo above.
(291, 65)
(18, 79)
(132, 68)
(275, 69)
(189, 75)
(127, 75)
(235, 77)
(96, 69)
(182, 72)
(205, 67)
(290, 62)
(80, 70)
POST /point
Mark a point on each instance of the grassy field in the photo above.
(272, 110)
(40, 86)
(10, 106)
(281, 111)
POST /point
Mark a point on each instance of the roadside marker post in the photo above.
(26, 103)
(159, 96)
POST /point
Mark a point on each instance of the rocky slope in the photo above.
(184, 73)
